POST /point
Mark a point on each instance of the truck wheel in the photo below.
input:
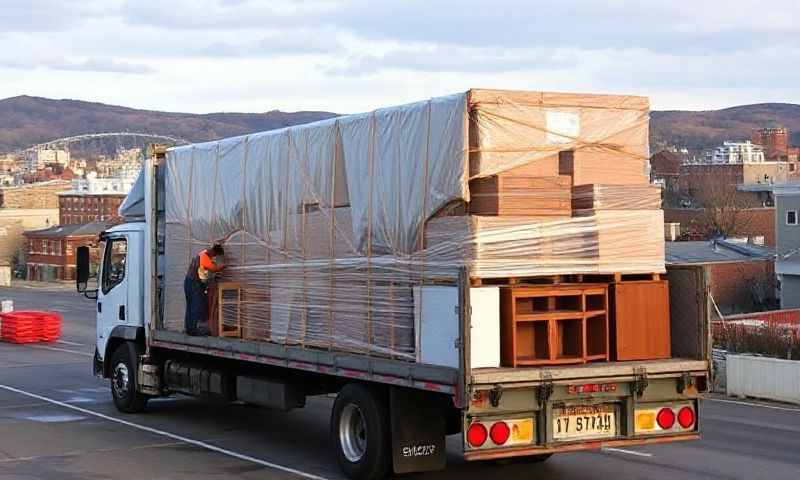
(360, 431)
(123, 380)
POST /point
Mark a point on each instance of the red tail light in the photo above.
(499, 433)
(686, 417)
(476, 435)
(665, 418)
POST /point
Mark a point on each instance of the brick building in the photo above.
(51, 251)
(78, 207)
(33, 195)
(665, 170)
(94, 199)
(741, 275)
(775, 142)
(754, 223)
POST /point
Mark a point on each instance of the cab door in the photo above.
(112, 295)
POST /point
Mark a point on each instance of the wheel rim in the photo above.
(353, 433)
(120, 379)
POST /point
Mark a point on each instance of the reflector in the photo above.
(499, 433)
(686, 417)
(665, 418)
(476, 435)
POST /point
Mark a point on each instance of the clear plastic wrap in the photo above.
(327, 227)
(616, 197)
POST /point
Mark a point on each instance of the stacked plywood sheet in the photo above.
(595, 165)
(506, 194)
(616, 197)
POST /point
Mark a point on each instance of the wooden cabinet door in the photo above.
(640, 324)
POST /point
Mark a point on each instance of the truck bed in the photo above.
(617, 371)
(349, 365)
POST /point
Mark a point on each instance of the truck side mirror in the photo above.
(82, 269)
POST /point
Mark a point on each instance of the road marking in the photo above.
(173, 436)
(751, 404)
(56, 349)
(629, 452)
(74, 344)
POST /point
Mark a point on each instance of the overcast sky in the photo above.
(355, 55)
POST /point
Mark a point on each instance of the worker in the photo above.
(195, 286)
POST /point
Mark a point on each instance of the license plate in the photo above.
(585, 421)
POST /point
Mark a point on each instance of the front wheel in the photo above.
(360, 431)
(123, 380)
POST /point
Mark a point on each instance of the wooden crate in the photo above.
(640, 320)
(506, 194)
(554, 324)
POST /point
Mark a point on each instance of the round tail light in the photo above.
(686, 417)
(499, 433)
(665, 418)
(476, 434)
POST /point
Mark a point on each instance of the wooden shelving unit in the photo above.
(229, 306)
(554, 324)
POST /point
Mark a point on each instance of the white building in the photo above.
(736, 152)
(93, 184)
(41, 157)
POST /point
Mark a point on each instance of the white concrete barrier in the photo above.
(763, 377)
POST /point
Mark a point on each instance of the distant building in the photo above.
(775, 142)
(93, 200)
(665, 170)
(741, 275)
(38, 158)
(9, 162)
(13, 223)
(787, 233)
(51, 251)
(33, 195)
(736, 152)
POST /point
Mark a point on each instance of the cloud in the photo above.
(350, 55)
(104, 65)
(454, 59)
(51, 15)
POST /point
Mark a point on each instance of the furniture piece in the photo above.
(229, 305)
(554, 324)
(640, 320)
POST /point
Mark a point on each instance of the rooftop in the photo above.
(715, 251)
(61, 231)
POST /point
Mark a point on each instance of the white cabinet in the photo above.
(436, 325)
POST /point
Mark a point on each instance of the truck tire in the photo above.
(123, 380)
(360, 431)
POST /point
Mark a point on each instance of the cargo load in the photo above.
(329, 227)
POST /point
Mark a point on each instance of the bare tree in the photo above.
(724, 211)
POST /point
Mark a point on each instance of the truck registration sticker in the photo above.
(584, 422)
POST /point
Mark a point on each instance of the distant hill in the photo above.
(26, 121)
(705, 129)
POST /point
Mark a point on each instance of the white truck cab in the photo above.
(120, 299)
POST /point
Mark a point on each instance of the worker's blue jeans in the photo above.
(196, 304)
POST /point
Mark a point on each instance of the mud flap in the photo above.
(418, 431)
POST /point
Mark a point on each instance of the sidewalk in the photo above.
(61, 285)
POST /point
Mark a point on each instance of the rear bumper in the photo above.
(575, 447)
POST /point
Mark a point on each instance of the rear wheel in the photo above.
(360, 431)
(123, 380)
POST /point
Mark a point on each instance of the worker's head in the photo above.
(216, 250)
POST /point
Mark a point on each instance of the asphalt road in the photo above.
(57, 421)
